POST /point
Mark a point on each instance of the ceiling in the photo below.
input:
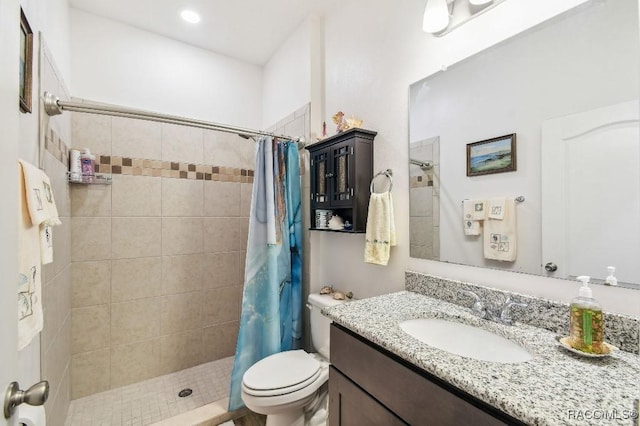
(249, 30)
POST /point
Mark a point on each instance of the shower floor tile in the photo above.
(153, 400)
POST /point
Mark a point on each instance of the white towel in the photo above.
(381, 229)
(500, 239)
(41, 206)
(30, 319)
(473, 211)
(496, 207)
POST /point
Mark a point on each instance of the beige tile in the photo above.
(181, 274)
(136, 237)
(90, 283)
(182, 312)
(52, 316)
(91, 131)
(221, 199)
(136, 196)
(59, 401)
(136, 138)
(135, 362)
(135, 320)
(221, 234)
(222, 269)
(136, 278)
(61, 236)
(90, 239)
(219, 341)
(181, 350)
(221, 305)
(55, 360)
(229, 150)
(90, 200)
(181, 235)
(243, 224)
(246, 192)
(90, 373)
(182, 197)
(182, 144)
(90, 328)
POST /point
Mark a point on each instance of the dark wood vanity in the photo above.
(370, 386)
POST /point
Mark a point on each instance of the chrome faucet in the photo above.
(501, 315)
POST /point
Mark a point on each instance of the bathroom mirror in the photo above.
(580, 182)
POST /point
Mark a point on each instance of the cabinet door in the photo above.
(343, 177)
(320, 179)
(351, 406)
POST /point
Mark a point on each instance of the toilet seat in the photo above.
(281, 373)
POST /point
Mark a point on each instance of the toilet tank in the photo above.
(319, 323)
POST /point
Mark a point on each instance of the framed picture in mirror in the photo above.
(26, 60)
(496, 155)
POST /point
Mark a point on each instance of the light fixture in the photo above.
(479, 2)
(190, 16)
(436, 16)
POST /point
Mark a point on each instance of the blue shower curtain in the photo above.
(272, 299)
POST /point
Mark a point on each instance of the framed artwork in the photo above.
(26, 61)
(495, 155)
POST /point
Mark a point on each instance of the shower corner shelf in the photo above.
(99, 179)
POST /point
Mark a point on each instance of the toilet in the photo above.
(284, 386)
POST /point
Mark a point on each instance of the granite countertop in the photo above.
(556, 387)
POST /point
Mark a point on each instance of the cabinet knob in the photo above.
(328, 175)
(551, 267)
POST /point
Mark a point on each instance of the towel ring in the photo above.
(387, 173)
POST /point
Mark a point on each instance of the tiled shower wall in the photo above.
(55, 339)
(158, 256)
(424, 198)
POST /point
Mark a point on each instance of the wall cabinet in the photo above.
(341, 171)
(368, 385)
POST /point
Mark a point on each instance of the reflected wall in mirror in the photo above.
(582, 61)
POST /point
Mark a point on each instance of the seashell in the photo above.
(349, 295)
(326, 290)
(338, 295)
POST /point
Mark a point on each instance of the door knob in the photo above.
(550, 267)
(35, 395)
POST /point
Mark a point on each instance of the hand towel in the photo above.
(473, 212)
(381, 229)
(41, 207)
(496, 207)
(30, 319)
(500, 238)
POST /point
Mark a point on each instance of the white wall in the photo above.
(374, 51)
(287, 76)
(122, 65)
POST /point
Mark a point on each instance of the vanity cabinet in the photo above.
(369, 385)
(341, 171)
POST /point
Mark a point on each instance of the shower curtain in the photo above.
(272, 299)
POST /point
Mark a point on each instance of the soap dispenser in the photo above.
(586, 323)
(611, 279)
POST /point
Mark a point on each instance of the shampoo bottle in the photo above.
(586, 321)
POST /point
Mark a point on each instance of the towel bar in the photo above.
(388, 173)
(518, 199)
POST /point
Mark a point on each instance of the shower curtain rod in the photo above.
(54, 106)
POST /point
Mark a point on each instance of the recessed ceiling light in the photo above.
(190, 16)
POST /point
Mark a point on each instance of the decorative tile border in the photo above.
(157, 168)
(144, 167)
(54, 144)
(420, 181)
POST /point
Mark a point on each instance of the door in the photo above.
(320, 177)
(9, 54)
(343, 174)
(591, 193)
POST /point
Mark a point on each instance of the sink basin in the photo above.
(465, 340)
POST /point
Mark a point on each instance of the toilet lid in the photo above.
(281, 370)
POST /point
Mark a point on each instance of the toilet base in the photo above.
(287, 418)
